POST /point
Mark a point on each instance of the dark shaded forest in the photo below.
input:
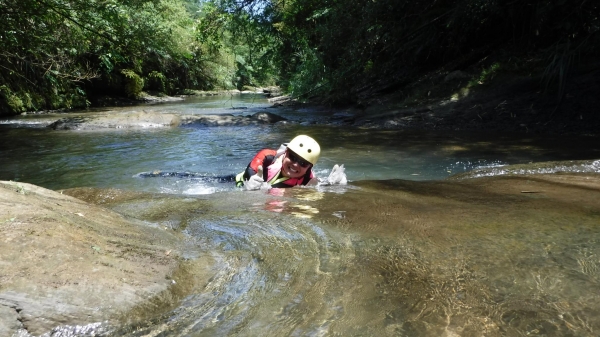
(66, 54)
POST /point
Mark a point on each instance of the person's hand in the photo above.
(256, 182)
(337, 175)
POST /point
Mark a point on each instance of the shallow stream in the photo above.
(400, 251)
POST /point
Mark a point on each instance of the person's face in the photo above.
(293, 165)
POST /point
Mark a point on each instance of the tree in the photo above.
(56, 53)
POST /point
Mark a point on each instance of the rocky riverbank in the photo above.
(445, 101)
(501, 103)
(469, 101)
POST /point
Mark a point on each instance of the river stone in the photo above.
(69, 123)
(67, 262)
(231, 120)
(267, 117)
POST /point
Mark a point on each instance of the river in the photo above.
(400, 251)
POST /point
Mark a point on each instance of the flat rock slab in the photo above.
(66, 262)
(114, 120)
(153, 119)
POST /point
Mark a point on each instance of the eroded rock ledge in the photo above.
(67, 262)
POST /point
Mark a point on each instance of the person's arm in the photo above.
(263, 158)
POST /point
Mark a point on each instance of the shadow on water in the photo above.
(495, 256)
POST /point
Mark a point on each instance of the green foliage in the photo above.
(486, 75)
(243, 73)
(210, 27)
(9, 101)
(344, 49)
(156, 81)
(17, 102)
(57, 53)
(133, 83)
(558, 68)
(238, 40)
(67, 50)
(309, 79)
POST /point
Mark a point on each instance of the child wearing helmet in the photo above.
(289, 166)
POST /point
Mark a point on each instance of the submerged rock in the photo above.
(68, 123)
(267, 117)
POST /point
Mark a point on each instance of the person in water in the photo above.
(291, 165)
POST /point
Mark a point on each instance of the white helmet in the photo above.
(305, 147)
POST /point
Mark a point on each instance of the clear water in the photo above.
(386, 258)
(113, 158)
(401, 251)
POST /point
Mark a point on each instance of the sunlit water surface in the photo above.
(414, 256)
(114, 158)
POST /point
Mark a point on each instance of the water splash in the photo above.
(467, 165)
(582, 166)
